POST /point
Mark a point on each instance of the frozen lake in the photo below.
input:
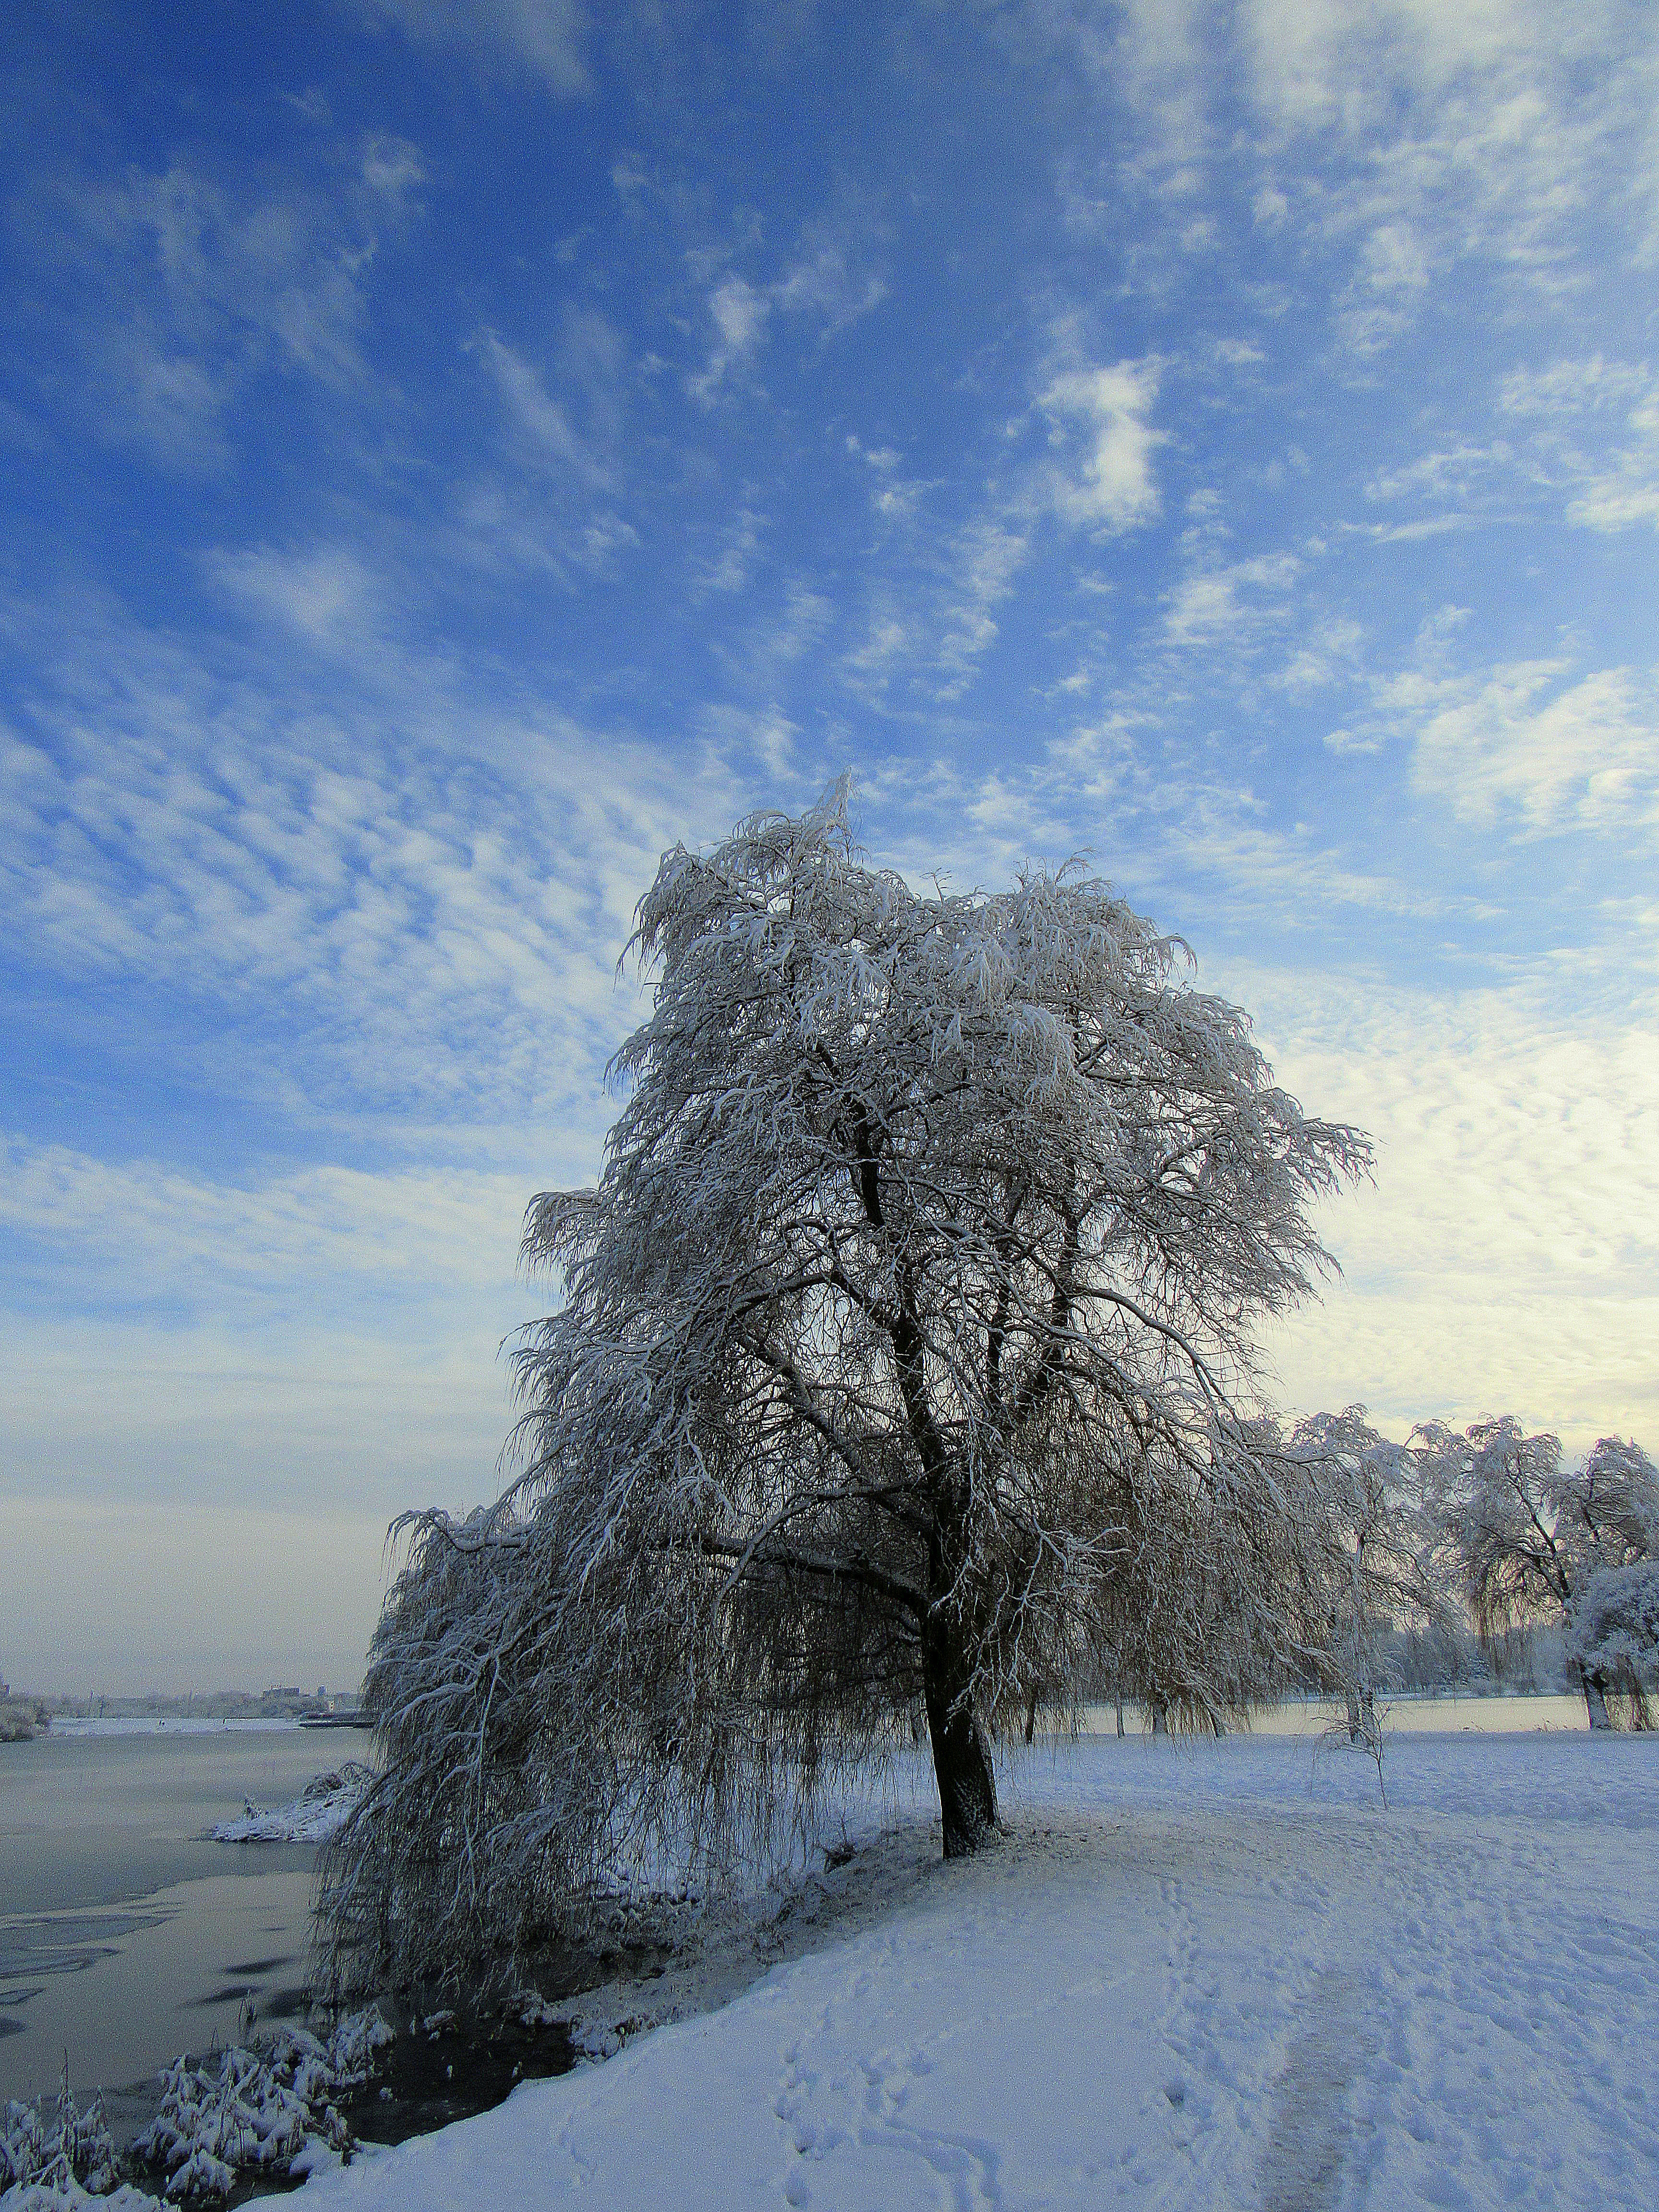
(125, 1936)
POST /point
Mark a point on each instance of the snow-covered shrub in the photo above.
(1612, 1634)
(322, 1806)
(74, 2148)
(271, 2108)
(70, 2197)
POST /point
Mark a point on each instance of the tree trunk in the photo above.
(1595, 1702)
(1030, 1714)
(961, 1755)
(1160, 1716)
(1353, 1717)
(1118, 1701)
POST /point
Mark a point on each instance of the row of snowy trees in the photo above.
(1495, 1526)
(902, 1384)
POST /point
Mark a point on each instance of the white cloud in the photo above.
(774, 639)
(1569, 387)
(1327, 650)
(1582, 431)
(985, 557)
(160, 401)
(543, 419)
(1517, 741)
(544, 502)
(311, 1240)
(886, 641)
(392, 887)
(825, 280)
(1151, 55)
(543, 36)
(1215, 606)
(283, 266)
(729, 569)
(1506, 1257)
(766, 735)
(1110, 486)
(739, 312)
(1449, 474)
(327, 595)
(1597, 436)
(1495, 130)
(186, 286)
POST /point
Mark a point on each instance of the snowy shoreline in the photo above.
(1192, 1974)
(71, 1727)
(322, 1807)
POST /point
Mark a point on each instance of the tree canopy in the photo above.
(904, 1375)
(1530, 1534)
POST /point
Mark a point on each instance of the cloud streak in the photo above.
(545, 38)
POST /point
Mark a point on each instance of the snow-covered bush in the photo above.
(272, 2109)
(68, 2195)
(904, 1380)
(1612, 1634)
(74, 2148)
(322, 1807)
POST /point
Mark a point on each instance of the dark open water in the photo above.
(125, 1936)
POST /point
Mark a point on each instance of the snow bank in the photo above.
(321, 1806)
(68, 1724)
(1190, 1976)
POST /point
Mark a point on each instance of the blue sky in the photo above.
(452, 452)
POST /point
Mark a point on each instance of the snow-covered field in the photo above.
(1190, 1976)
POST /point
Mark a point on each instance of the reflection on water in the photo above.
(126, 1935)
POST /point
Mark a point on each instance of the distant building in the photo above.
(286, 1701)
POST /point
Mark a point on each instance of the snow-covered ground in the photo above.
(1190, 1976)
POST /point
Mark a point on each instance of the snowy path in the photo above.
(1182, 1980)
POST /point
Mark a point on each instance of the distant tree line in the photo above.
(1522, 1570)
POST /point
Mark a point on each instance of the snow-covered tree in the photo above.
(1612, 1634)
(900, 1377)
(1393, 1567)
(1531, 1534)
